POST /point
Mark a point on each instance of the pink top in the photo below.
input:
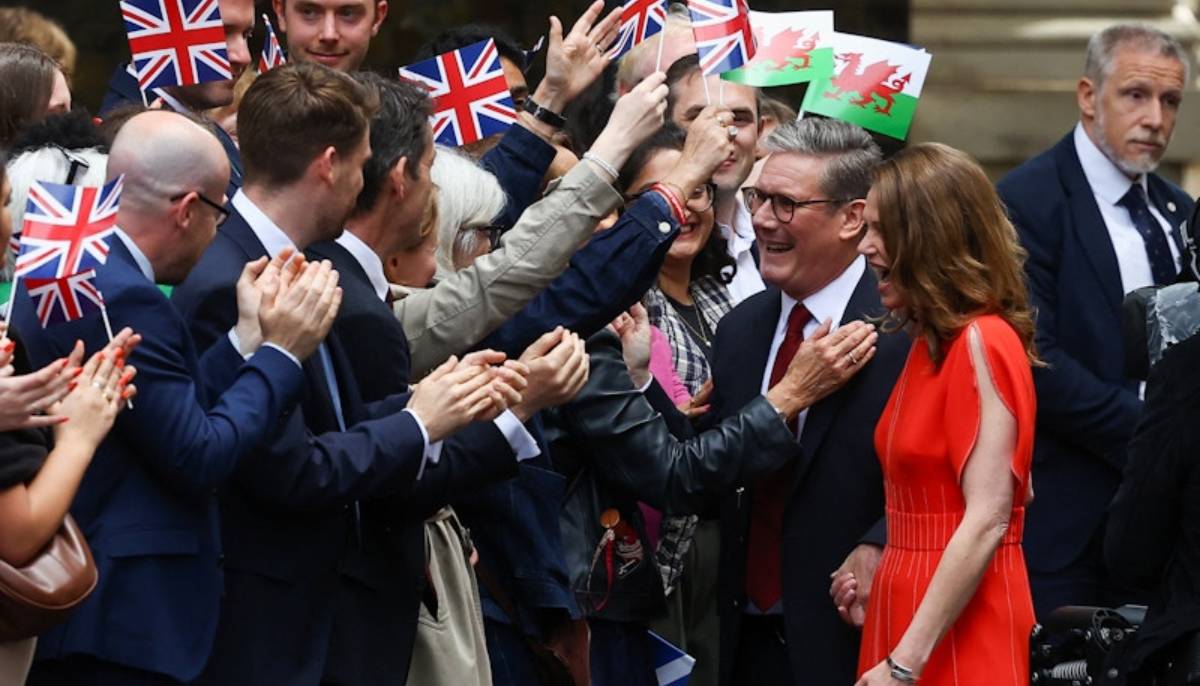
(663, 368)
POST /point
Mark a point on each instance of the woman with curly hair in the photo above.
(950, 603)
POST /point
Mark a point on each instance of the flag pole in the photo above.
(721, 91)
(109, 331)
(12, 296)
(707, 96)
(662, 38)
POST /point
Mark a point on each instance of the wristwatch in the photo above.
(544, 115)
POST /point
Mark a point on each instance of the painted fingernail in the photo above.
(71, 386)
(75, 374)
(127, 394)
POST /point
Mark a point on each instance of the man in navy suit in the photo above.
(1098, 223)
(294, 524)
(147, 503)
(237, 16)
(784, 535)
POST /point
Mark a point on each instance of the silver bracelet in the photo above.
(604, 166)
(900, 673)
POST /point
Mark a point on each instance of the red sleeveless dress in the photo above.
(923, 439)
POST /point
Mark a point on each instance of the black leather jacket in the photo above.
(616, 449)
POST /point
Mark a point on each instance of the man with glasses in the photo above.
(147, 502)
(782, 536)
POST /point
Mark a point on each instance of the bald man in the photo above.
(147, 501)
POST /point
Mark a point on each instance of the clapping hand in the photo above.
(458, 393)
(97, 394)
(24, 398)
(256, 278)
(558, 366)
(298, 309)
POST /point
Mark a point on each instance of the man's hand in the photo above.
(708, 145)
(452, 396)
(634, 119)
(558, 368)
(299, 317)
(257, 276)
(823, 364)
(634, 329)
(851, 586)
(574, 61)
(698, 405)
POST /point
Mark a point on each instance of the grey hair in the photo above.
(467, 196)
(1103, 46)
(850, 153)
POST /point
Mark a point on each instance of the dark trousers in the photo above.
(85, 670)
(621, 654)
(509, 656)
(1083, 582)
(762, 656)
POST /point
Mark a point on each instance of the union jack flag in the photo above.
(66, 229)
(724, 38)
(470, 95)
(272, 53)
(176, 42)
(64, 300)
(640, 19)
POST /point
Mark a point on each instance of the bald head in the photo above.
(163, 154)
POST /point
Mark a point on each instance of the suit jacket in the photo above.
(291, 517)
(837, 496)
(1087, 409)
(147, 502)
(519, 163)
(123, 90)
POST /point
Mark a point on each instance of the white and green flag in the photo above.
(876, 84)
(792, 47)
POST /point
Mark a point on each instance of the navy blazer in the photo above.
(837, 496)
(290, 515)
(123, 90)
(519, 163)
(1087, 408)
(146, 502)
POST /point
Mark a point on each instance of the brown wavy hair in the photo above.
(954, 253)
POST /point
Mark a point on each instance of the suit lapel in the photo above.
(1175, 214)
(238, 230)
(761, 332)
(864, 302)
(1087, 222)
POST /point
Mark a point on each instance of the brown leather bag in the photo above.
(39, 595)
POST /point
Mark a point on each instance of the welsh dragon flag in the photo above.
(876, 84)
(793, 47)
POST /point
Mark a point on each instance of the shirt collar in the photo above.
(830, 302)
(266, 231)
(1107, 181)
(139, 257)
(368, 260)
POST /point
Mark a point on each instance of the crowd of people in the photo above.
(378, 411)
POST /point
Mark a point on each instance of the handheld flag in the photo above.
(470, 94)
(66, 229)
(176, 42)
(723, 36)
(64, 299)
(672, 666)
(876, 85)
(792, 47)
(640, 19)
(272, 52)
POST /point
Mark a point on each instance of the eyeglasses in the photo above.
(783, 206)
(222, 213)
(492, 231)
(701, 199)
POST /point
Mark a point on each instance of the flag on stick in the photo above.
(272, 52)
(176, 42)
(640, 19)
(792, 47)
(470, 93)
(65, 299)
(723, 35)
(66, 229)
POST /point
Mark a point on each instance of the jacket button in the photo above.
(664, 227)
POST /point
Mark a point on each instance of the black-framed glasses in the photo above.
(492, 231)
(783, 206)
(222, 213)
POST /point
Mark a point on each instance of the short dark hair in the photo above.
(714, 259)
(293, 113)
(469, 34)
(684, 68)
(26, 82)
(398, 130)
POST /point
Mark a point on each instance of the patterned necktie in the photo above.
(764, 564)
(1158, 250)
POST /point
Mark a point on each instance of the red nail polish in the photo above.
(71, 386)
(75, 374)
(127, 394)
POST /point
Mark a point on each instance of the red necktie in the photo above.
(764, 568)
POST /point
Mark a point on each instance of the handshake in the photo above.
(286, 301)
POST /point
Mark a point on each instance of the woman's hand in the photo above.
(698, 405)
(576, 60)
(96, 397)
(708, 145)
(635, 118)
(823, 364)
(24, 398)
(634, 329)
(879, 675)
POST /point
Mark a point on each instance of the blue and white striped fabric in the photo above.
(672, 666)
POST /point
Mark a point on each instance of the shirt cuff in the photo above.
(237, 343)
(433, 452)
(517, 435)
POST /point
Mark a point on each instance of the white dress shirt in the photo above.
(828, 303)
(1109, 184)
(740, 236)
(518, 437)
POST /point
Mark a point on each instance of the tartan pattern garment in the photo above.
(712, 301)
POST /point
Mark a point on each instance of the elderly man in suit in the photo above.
(147, 502)
(782, 536)
(1098, 223)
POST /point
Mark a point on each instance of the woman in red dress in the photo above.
(950, 601)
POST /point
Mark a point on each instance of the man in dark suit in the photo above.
(293, 524)
(147, 502)
(1098, 223)
(782, 536)
(237, 16)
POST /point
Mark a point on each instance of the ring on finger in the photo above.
(731, 131)
(851, 359)
(98, 385)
